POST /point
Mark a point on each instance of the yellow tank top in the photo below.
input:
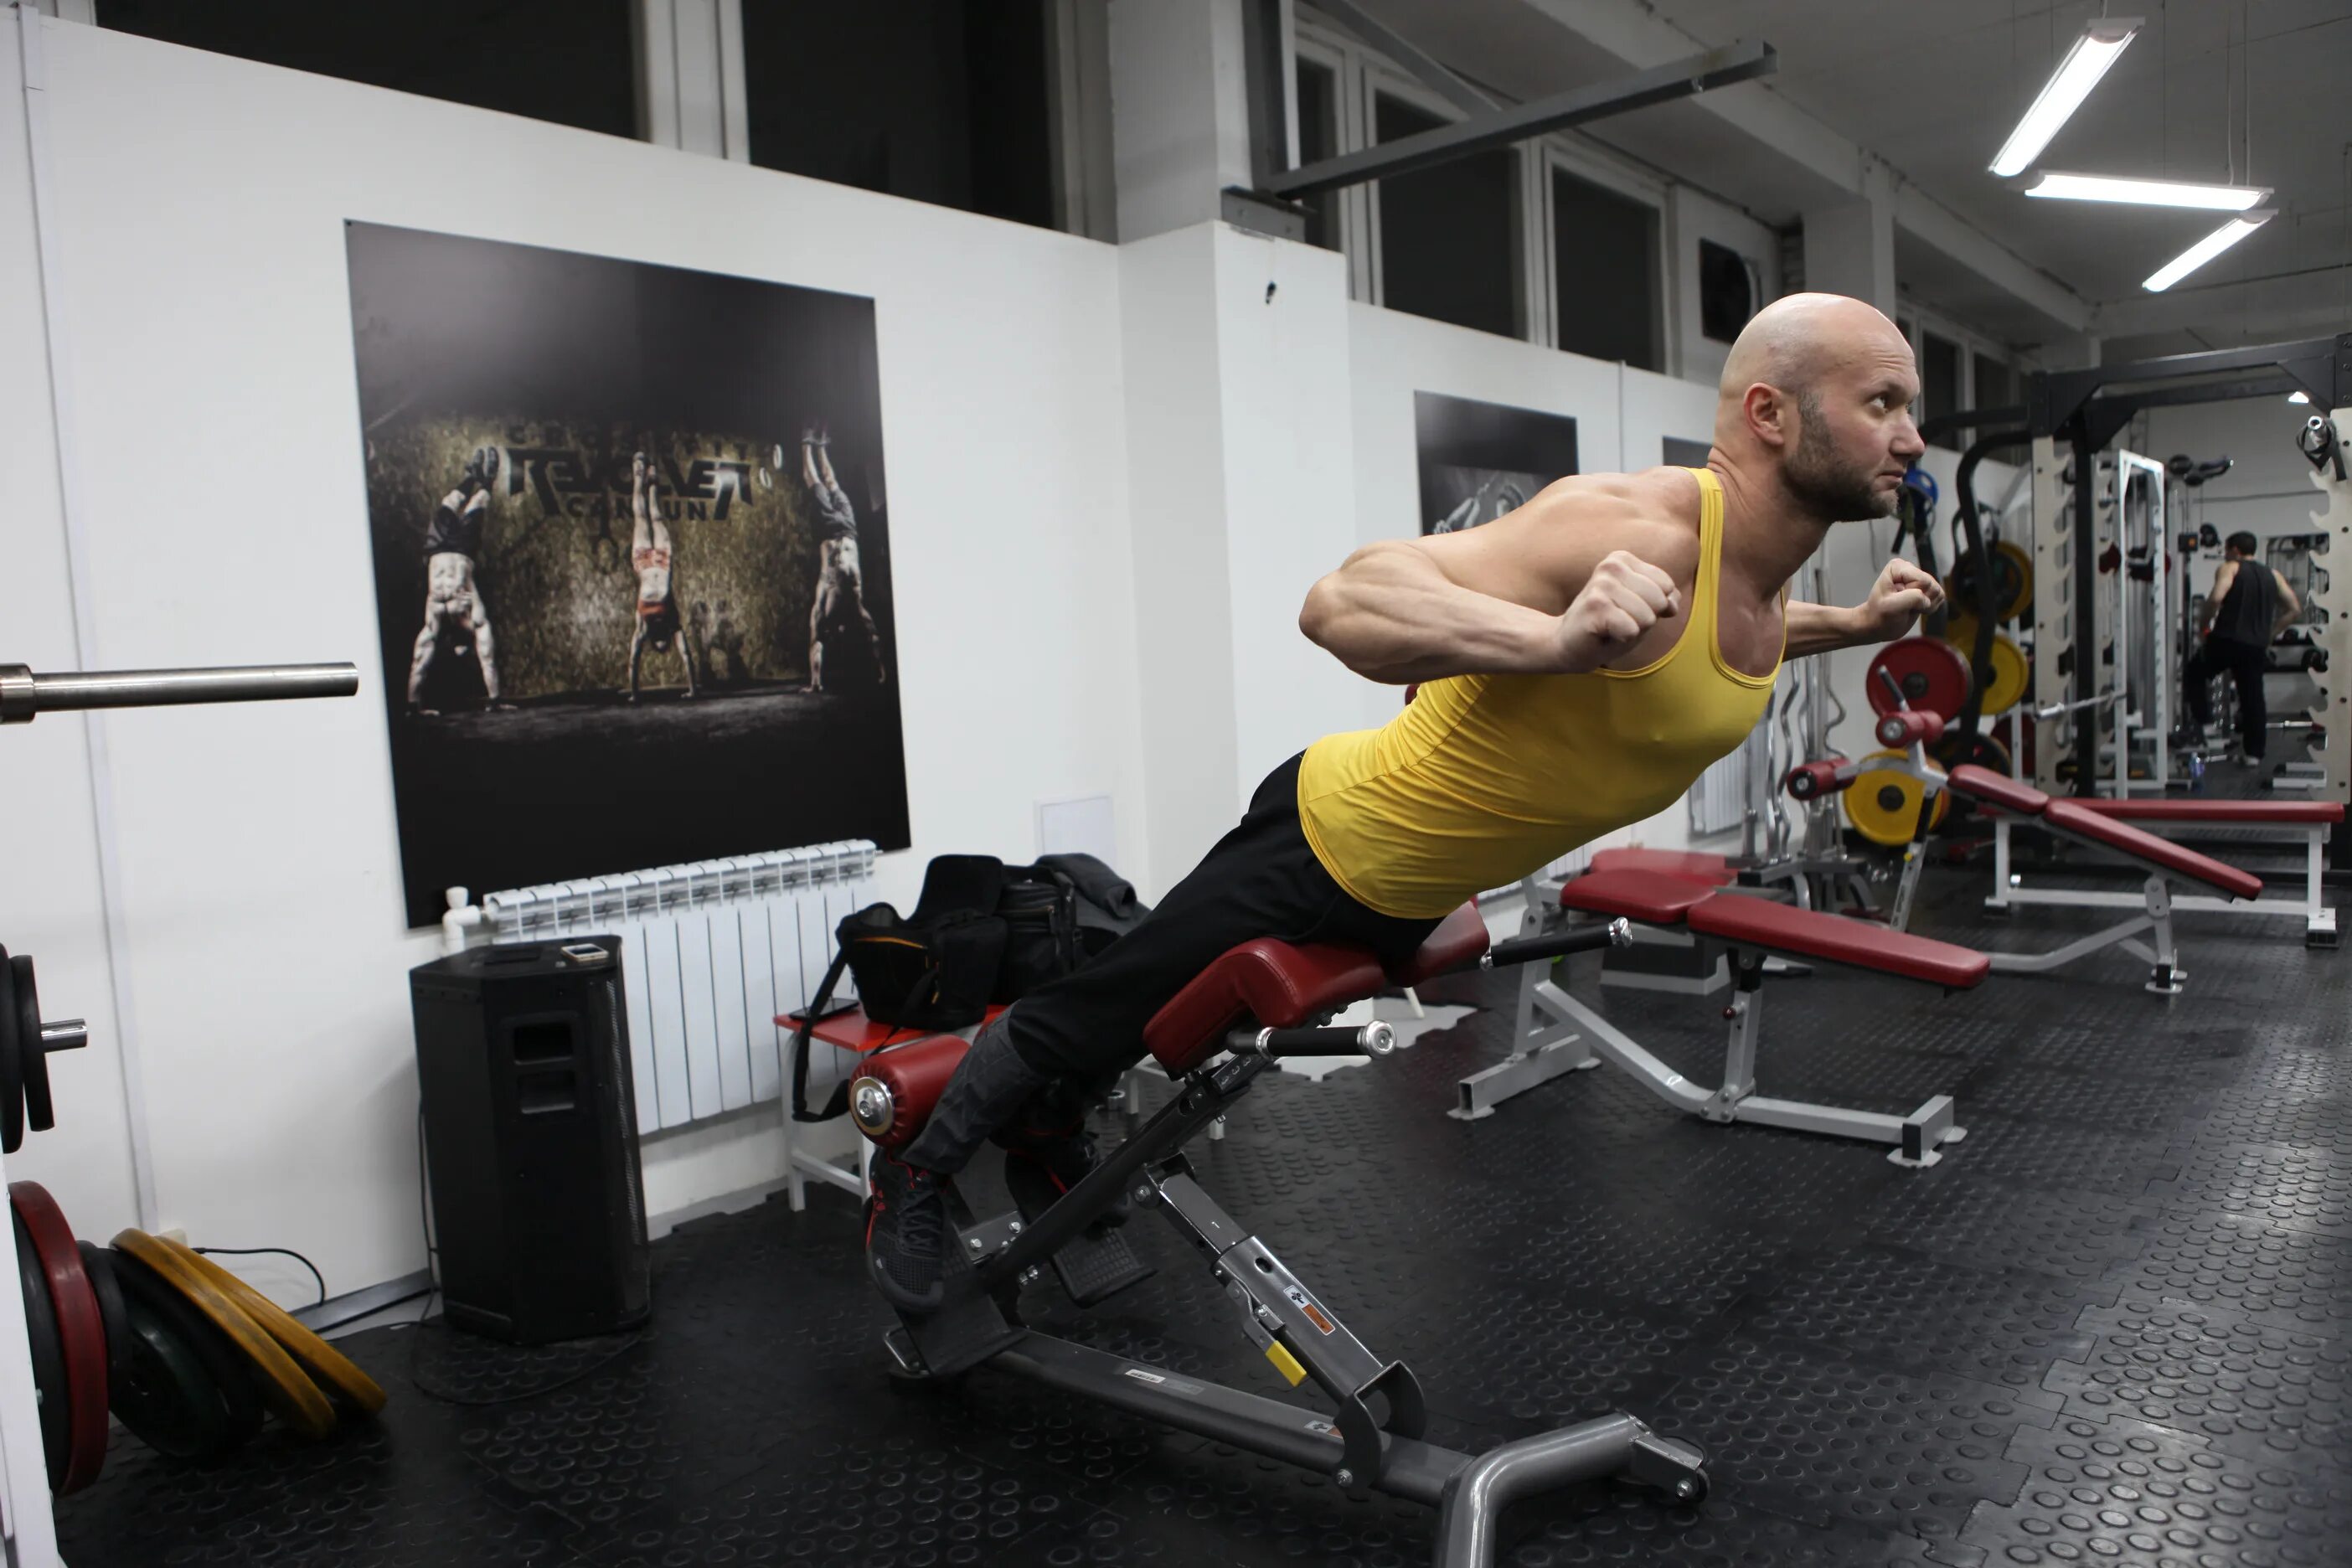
(1485, 778)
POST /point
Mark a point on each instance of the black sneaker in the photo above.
(905, 1231)
(1037, 1171)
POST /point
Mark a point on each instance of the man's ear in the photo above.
(1768, 411)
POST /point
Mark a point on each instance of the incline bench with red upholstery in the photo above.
(2305, 822)
(1750, 929)
(2161, 861)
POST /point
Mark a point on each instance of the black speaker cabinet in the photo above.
(530, 1135)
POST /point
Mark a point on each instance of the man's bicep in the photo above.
(1539, 555)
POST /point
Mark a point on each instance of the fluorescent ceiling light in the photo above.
(2144, 192)
(2076, 75)
(2206, 249)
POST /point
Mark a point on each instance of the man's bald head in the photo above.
(1795, 340)
(1818, 389)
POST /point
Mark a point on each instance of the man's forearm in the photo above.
(1819, 628)
(1393, 617)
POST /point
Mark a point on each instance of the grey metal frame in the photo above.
(2009, 888)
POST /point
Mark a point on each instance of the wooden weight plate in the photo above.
(328, 1366)
(167, 1397)
(32, 1061)
(2012, 577)
(2011, 676)
(82, 1333)
(236, 1391)
(48, 1355)
(1883, 805)
(98, 1263)
(1932, 675)
(12, 1061)
(285, 1388)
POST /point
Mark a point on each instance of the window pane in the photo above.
(1318, 138)
(569, 61)
(1446, 233)
(1994, 387)
(1939, 386)
(936, 100)
(1605, 256)
(1727, 291)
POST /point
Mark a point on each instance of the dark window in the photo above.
(1995, 387)
(1318, 138)
(936, 100)
(569, 61)
(1939, 386)
(1605, 257)
(1448, 235)
(1727, 291)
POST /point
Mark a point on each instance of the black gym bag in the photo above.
(982, 932)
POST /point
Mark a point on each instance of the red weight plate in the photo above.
(81, 1329)
(1932, 675)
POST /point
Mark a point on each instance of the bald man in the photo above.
(1580, 660)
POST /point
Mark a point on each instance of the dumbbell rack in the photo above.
(25, 1519)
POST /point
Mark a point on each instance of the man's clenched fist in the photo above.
(1625, 597)
(1900, 596)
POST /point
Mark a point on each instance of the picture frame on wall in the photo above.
(1480, 461)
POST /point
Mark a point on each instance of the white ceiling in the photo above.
(1933, 87)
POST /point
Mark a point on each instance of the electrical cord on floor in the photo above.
(417, 1325)
(278, 1251)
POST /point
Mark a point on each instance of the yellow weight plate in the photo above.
(2012, 674)
(2020, 598)
(1960, 631)
(285, 1388)
(1883, 805)
(328, 1366)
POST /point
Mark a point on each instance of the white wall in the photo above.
(1693, 215)
(200, 205)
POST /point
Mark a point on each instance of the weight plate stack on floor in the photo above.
(326, 1365)
(80, 1329)
(48, 1356)
(290, 1394)
(192, 1395)
(98, 1265)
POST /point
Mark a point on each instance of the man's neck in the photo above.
(1768, 534)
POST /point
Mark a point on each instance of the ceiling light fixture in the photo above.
(2206, 249)
(2077, 74)
(2050, 183)
(2298, 398)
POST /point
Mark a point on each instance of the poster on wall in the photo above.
(1680, 453)
(632, 551)
(1480, 461)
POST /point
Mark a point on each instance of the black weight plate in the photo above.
(98, 1262)
(166, 1399)
(12, 1076)
(48, 1355)
(147, 1292)
(32, 1061)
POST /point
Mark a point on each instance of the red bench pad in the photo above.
(2074, 817)
(1650, 897)
(2295, 813)
(2012, 795)
(854, 1031)
(1712, 869)
(1459, 940)
(1279, 984)
(916, 1074)
(1809, 933)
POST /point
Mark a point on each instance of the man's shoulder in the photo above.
(1654, 512)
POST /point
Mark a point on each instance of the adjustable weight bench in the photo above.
(1255, 1003)
(1551, 1022)
(2305, 821)
(2162, 862)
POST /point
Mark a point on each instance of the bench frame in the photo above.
(2009, 887)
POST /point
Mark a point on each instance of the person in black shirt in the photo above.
(2249, 603)
(650, 556)
(840, 589)
(453, 600)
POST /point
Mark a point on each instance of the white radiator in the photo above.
(711, 953)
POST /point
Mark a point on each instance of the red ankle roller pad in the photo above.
(915, 1074)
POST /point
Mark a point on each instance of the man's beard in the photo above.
(1832, 494)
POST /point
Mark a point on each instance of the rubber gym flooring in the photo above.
(2111, 1327)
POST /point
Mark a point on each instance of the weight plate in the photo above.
(328, 1366)
(32, 1061)
(98, 1263)
(1883, 805)
(167, 1397)
(235, 1392)
(48, 1355)
(1960, 631)
(12, 1060)
(82, 1333)
(2012, 578)
(1987, 752)
(1931, 673)
(290, 1394)
(2012, 674)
